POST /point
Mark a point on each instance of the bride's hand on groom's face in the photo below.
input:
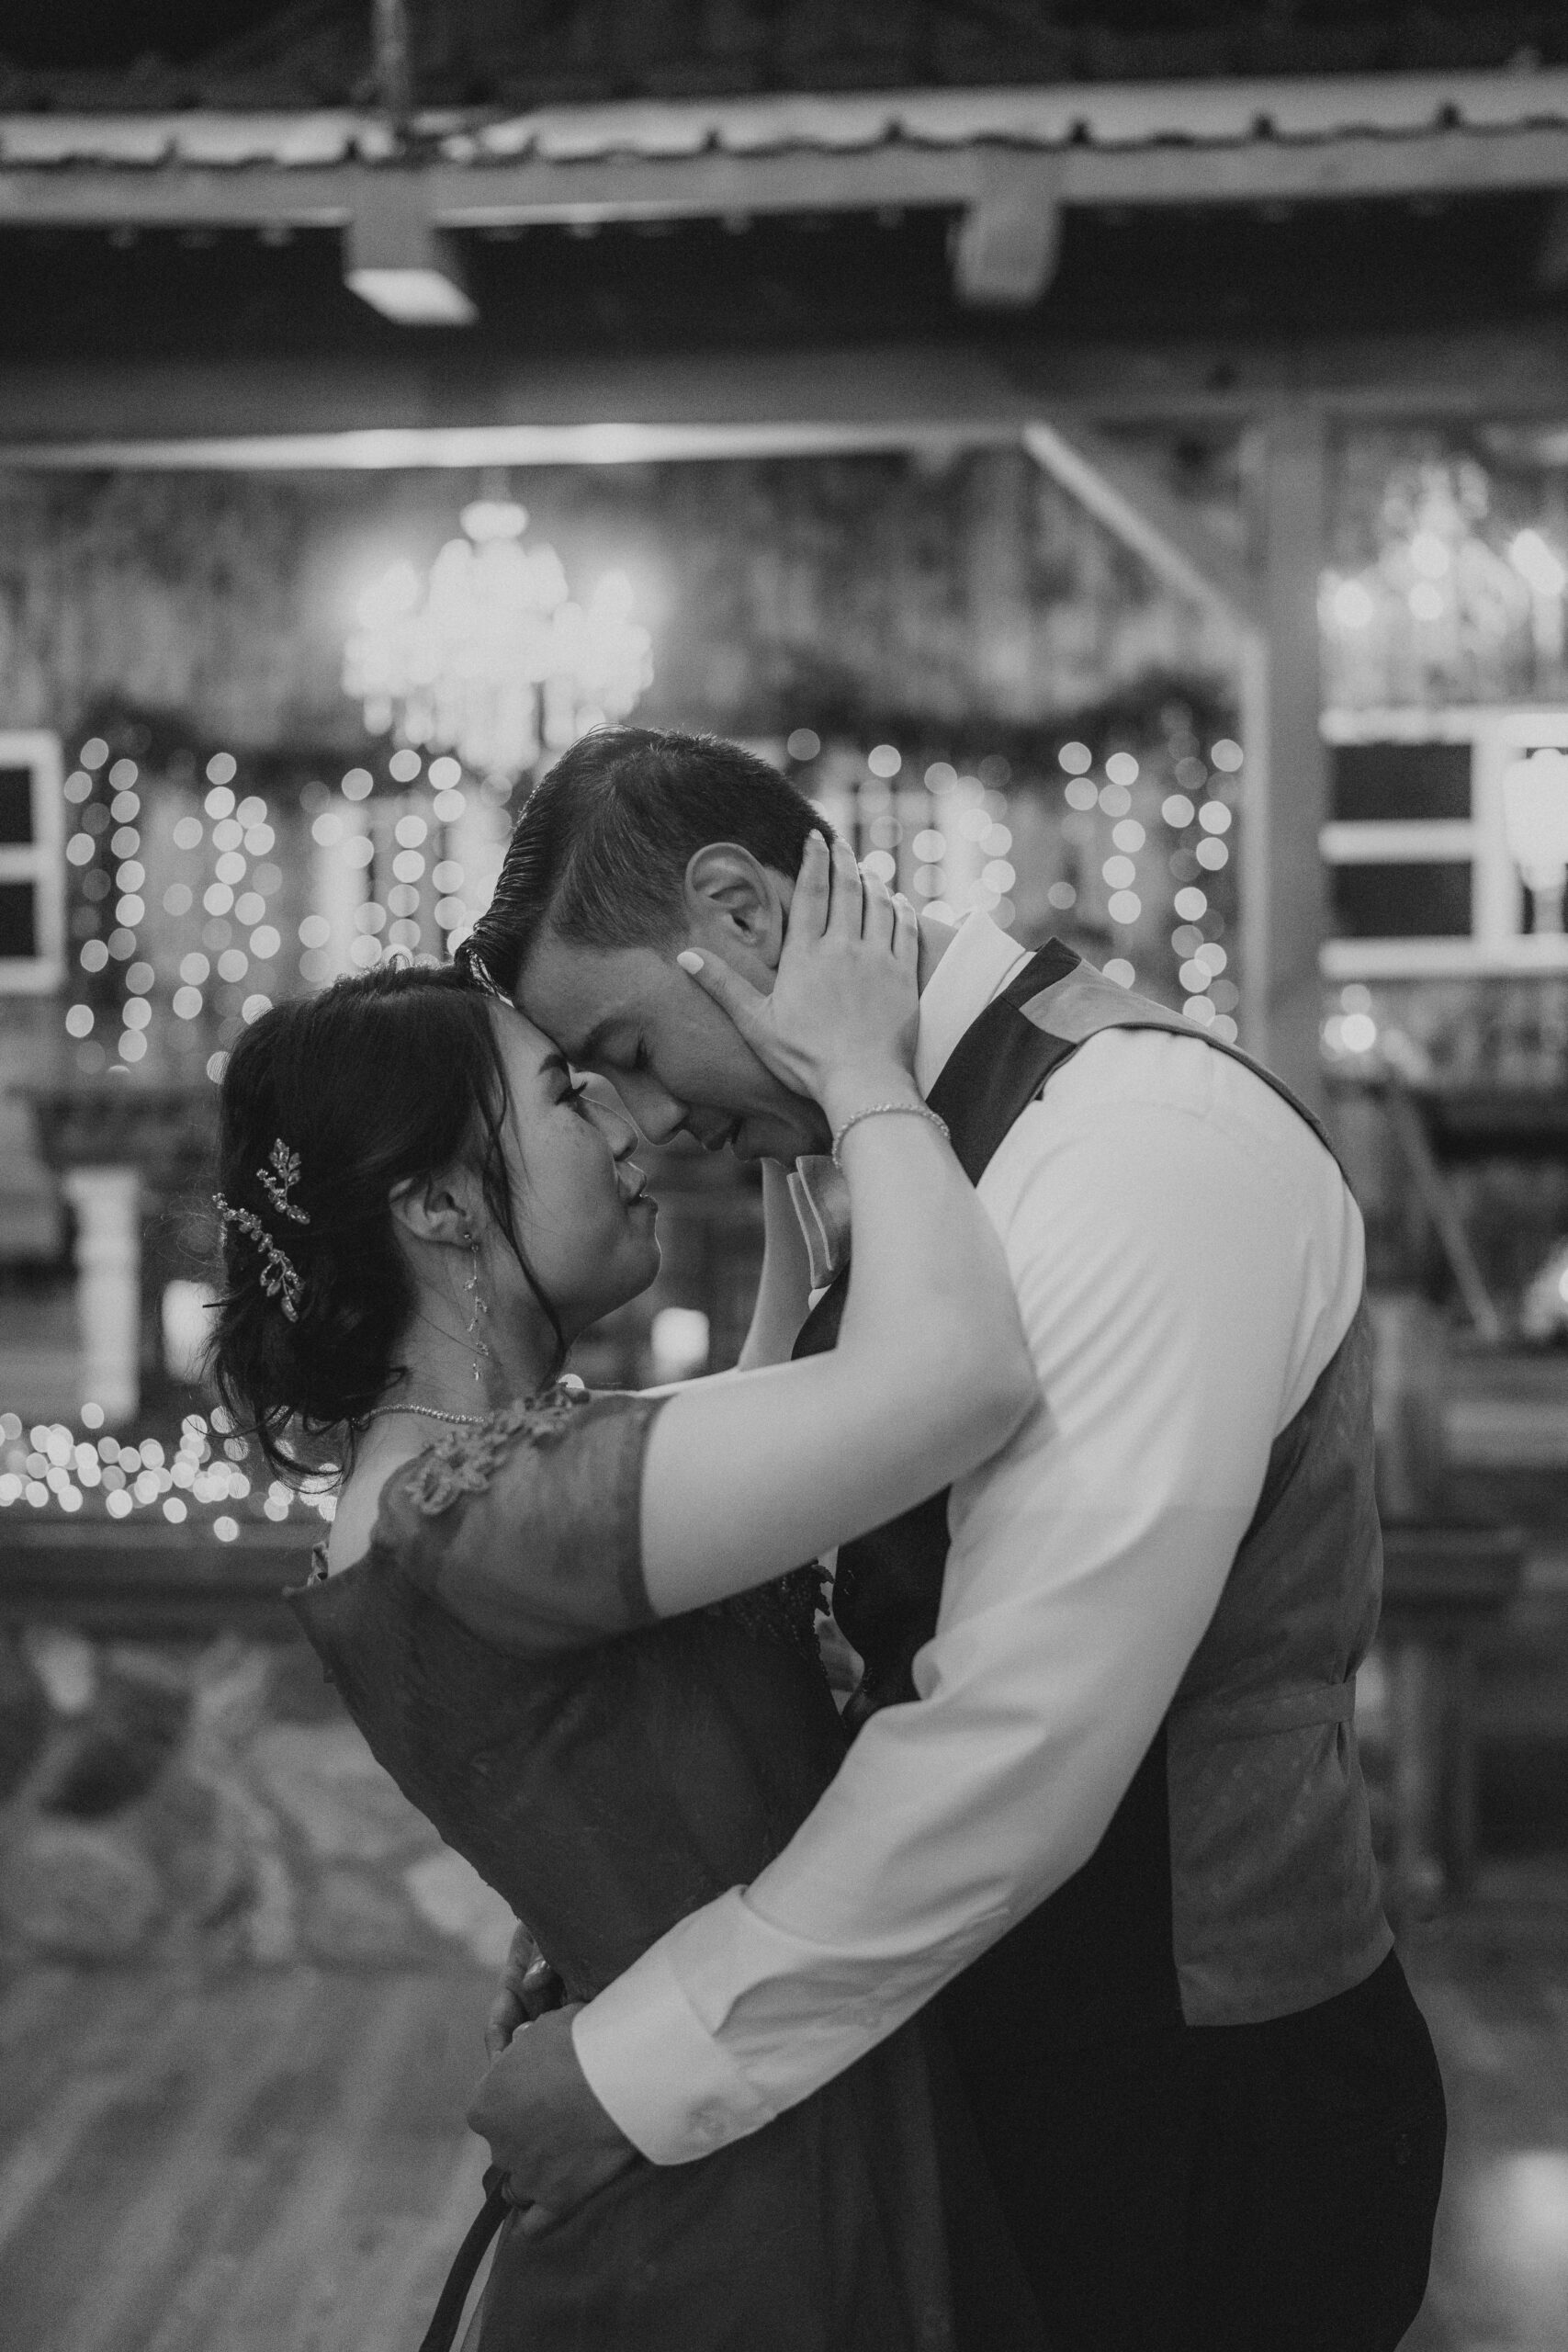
(547, 2132)
(842, 1013)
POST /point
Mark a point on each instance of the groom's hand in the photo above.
(529, 1986)
(547, 2132)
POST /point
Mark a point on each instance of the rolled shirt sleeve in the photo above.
(1187, 1257)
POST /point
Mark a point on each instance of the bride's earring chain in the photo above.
(479, 1308)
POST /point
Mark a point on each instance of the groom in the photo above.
(1106, 1800)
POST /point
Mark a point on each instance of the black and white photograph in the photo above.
(783, 1176)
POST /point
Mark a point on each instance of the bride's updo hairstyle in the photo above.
(327, 1103)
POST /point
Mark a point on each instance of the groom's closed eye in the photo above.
(588, 1087)
(568, 1083)
(614, 1055)
(597, 1050)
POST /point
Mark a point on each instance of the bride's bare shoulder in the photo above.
(383, 1454)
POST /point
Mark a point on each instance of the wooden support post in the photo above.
(1548, 271)
(1008, 242)
(108, 1202)
(399, 262)
(1283, 896)
(394, 71)
(1129, 499)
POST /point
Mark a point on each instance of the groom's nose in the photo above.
(657, 1113)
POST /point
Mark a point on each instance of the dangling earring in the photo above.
(478, 1307)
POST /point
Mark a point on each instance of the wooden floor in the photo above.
(1493, 1983)
(278, 2163)
(269, 2163)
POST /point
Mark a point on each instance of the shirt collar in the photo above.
(976, 968)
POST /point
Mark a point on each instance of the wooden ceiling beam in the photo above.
(489, 409)
(1009, 198)
(530, 190)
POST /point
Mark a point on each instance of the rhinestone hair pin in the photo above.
(279, 1275)
(277, 1180)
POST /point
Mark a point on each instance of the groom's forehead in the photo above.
(578, 994)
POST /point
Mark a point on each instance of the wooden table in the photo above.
(123, 1582)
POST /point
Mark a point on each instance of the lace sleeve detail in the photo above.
(465, 1461)
(527, 1527)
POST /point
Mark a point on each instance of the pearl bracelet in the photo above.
(882, 1111)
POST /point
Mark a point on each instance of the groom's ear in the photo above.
(734, 901)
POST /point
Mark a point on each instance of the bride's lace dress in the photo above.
(607, 1774)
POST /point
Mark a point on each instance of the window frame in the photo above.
(1496, 733)
(41, 862)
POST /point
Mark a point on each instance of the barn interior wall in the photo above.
(948, 588)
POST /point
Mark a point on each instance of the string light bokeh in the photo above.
(208, 883)
(1139, 842)
(255, 894)
(200, 1480)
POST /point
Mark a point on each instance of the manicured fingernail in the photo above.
(689, 960)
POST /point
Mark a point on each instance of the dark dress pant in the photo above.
(1240, 2188)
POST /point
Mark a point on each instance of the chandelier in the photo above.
(1449, 606)
(491, 657)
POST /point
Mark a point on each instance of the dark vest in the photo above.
(1235, 1881)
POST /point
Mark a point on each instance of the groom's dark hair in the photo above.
(599, 854)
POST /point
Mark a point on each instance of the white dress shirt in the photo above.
(1187, 1258)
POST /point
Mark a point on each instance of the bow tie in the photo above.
(821, 1202)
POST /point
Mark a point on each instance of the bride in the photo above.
(420, 1210)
